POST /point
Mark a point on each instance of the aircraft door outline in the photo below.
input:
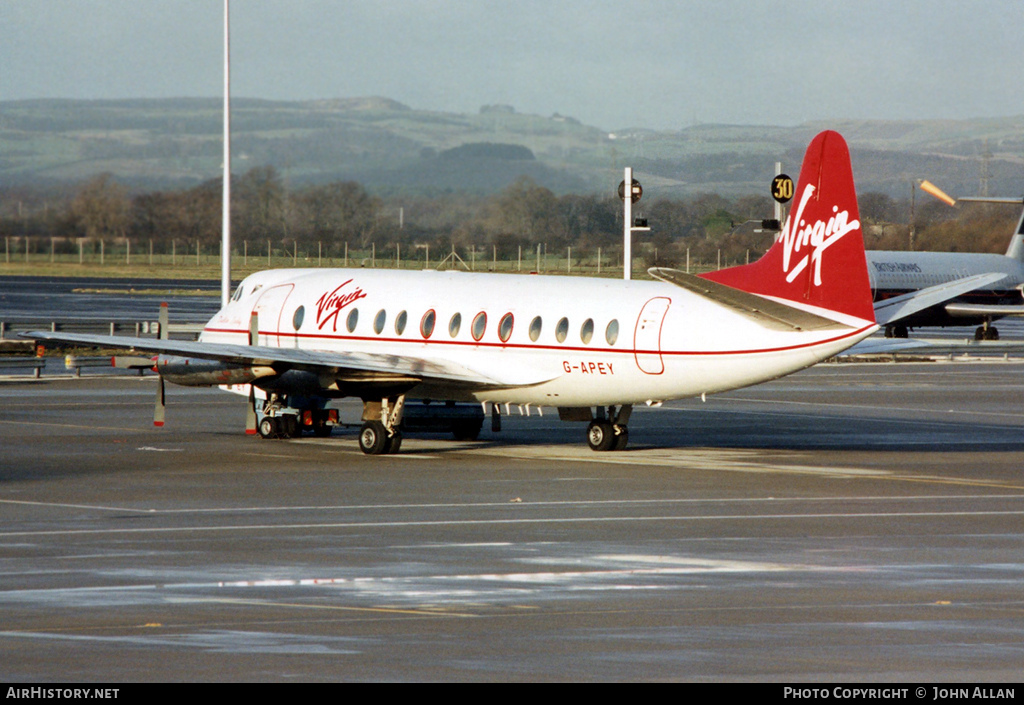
(647, 336)
(270, 309)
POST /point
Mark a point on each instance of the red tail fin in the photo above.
(819, 257)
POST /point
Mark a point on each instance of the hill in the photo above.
(392, 148)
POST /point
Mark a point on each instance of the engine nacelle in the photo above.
(194, 372)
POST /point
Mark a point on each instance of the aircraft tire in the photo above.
(393, 443)
(622, 439)
(373, 438)
(600, 436)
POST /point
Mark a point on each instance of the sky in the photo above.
(660, 64)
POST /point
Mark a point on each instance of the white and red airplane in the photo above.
(592, 348)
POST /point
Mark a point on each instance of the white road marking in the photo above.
(96, 507)
(320, 526)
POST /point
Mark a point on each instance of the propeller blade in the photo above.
(254, 329)
(158, 413)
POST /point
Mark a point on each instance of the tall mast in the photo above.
(225, 247)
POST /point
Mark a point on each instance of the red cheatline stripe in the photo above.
(618, 351)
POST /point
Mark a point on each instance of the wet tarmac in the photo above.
(81, 300)
(849, 523)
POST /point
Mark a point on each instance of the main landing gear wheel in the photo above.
(394, 443)
(601, 435)
(374, 439)
(621, 439)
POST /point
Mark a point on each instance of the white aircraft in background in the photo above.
(954, 288)
(593, 348)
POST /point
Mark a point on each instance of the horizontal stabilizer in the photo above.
(769, 313)
(886, 346)
(959, 310)
(898, 307)
(1008, 200)
(932, 348)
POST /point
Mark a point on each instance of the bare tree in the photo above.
(101, 208)
(339, 211)
(260, 205)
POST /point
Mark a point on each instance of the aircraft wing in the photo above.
(892, 310)
(769, 313)
(294, 358)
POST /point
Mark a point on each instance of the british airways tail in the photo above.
(818, 259)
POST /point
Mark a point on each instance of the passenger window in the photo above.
(535, 326)
(611, 333)
(379, 320)
(479, 325)
(353, 318)
(505, 327)
(300, 313)
(587, 331)
(562, 330)
(454, 325)
(400, 322)
(427, 324)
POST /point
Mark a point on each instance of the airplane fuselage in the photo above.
(893, 273)
(541, 340)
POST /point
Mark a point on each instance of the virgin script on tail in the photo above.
(817, 235)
